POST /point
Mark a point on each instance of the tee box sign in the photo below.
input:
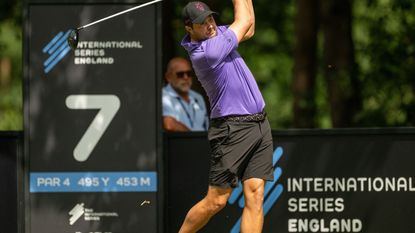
(91, 120)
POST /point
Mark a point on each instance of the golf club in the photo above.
(73, 37)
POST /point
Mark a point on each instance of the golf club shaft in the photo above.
(119, 13)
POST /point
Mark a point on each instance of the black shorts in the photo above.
(240, 150)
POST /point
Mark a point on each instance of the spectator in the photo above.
(183, 108)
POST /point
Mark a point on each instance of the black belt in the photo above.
(242, 118)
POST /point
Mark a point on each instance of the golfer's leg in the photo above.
(252, 215)
(200, 213)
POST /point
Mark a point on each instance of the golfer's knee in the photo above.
(254, 199)
(217, 204)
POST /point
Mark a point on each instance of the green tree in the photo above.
(361, 74)
(385, 51)
(11, 66)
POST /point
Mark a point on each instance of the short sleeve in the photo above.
(220, 46)
(168, 107)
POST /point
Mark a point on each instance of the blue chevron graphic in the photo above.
(57, 48)
(272, 191)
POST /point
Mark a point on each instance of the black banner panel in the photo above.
(10, 157)
(91, 120)
(325, 181)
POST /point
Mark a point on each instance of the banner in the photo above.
(325, 181)
(10, 179)
(91, 120)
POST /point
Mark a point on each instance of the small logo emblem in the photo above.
(199, 6)
(76, 213)
(57, 48)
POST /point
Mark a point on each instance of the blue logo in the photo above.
(57, 48)
(272, 191)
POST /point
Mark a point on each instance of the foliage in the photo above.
(11, 116)
(385, 50)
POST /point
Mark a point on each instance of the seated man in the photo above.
(183, 108)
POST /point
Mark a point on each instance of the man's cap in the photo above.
(196, 12)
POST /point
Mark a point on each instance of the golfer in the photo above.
(239, 133)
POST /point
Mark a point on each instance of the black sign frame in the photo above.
(24, 201)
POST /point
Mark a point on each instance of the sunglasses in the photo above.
(180, 74)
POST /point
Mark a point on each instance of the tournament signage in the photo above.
(91, 120)
(360, 181)
(325, 181)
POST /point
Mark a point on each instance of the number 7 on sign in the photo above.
(108, 106)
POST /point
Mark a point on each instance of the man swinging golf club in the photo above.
(239, 133)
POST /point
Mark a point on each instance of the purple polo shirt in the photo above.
(229, 84)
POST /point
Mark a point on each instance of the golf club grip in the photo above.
(119, 13)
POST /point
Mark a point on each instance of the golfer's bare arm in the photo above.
(171, 124)
(244, 19)
(251, 30)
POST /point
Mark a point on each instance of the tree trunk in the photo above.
(339, 63)
(5, 72)
(306, 24)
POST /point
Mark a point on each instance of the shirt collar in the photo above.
(170, 90)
